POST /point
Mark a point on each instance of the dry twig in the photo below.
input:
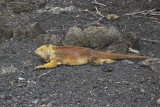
(5, 2)
(95, 2)
(144, 12)
(102, 16)
(156, 41)
(98, 12)
(153, 18)
(44, 74)
(156, 22)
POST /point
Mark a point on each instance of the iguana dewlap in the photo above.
(70, 55)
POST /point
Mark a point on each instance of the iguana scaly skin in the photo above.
(70, 55)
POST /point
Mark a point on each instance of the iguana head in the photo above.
(46, 52)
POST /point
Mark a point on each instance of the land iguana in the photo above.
(73, 55)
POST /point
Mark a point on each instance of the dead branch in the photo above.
(44, 74)
(5, 2)
(153, 18)
(98, 12)
(93, 14)
(101, 16)
(156, 41)
(95, 2)
(155, 14)
(144, 12)
(156, 22)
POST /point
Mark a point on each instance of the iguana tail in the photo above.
(108, 55)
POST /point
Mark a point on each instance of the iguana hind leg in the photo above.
(98, 61)
(110, 61)
(51, 64)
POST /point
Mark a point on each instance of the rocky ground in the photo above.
(27, 24)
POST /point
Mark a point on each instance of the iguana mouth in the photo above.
(37, 52)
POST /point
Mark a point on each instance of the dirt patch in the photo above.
(10, 69)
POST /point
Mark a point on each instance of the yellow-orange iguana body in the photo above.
(70, 55)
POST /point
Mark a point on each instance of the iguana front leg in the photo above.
(51, 64)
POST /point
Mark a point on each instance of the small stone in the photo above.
(20, 78)
(112, 17)
(43, 105)
(142, 90)
(107, 68)
(50, 104)
(82, 83)
(154, 64)
(35, 101)
(8, 97)
(127, 61)
(158, 101)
